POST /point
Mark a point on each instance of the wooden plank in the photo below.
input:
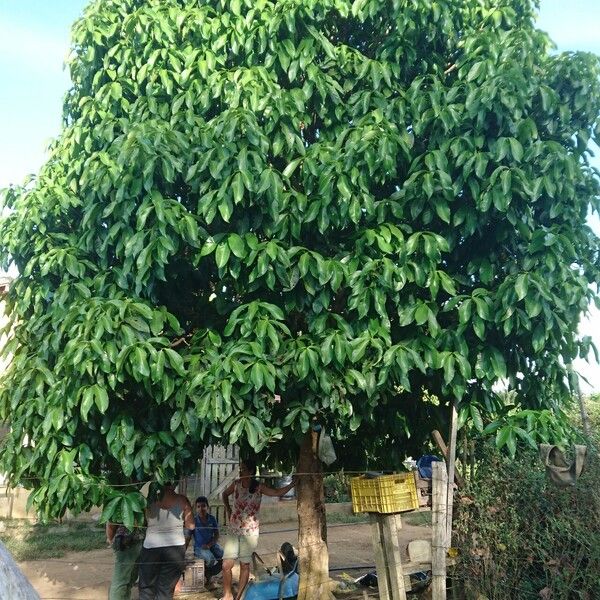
(391, 549)
(382, 582)
(202, 491)
(451, 471)
(412, 567)
(438, 543)
(216, 493)
(439, 441)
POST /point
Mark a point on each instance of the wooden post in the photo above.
(439, 441)
(391, 547)
(390, 576)
(465, 455)
(451, 469)
(382, 582)
(439, 538)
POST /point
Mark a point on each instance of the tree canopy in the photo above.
(262, 212)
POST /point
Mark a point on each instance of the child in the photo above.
(206, 535)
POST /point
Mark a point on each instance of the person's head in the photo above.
(165, 489)
(202, 506)
(248, 469)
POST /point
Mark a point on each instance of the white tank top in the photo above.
(165, 527)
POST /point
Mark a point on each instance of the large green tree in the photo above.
(261, 214)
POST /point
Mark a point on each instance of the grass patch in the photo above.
(33, 541)
(418, 519)
(347, 518)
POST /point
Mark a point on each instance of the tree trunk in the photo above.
(312, 525)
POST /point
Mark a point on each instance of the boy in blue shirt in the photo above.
(206, 535)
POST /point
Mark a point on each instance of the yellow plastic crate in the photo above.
(384, 494)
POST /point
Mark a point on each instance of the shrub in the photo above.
(520, 536)
(337, 488)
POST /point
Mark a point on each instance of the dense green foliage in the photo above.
(522, 537)
(353, 206)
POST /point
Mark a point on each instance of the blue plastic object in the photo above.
(424, 465)
(269, 588)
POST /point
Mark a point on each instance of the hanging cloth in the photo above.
(558, 469)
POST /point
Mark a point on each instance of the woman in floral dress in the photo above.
(243, 523)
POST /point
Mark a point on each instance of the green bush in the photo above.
(521, 537)
(337, 488)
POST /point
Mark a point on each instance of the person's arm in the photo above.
(215, 536)
(189, 522)
(189, 534)
(267, 491)
(228, 491)
(111, 529)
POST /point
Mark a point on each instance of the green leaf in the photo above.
(87, 402)
(521, 285)
(498, 363)
(516, 149)
(476, 416)
(421, 314)
(464, 311)
(506, 180)
(176, 420)
(256, 375)
(222, 254)
(526, 437)
(443, 211)
(447, 283)
(238, 191)
(476, 70)
(237, 245)
(101, 399)
(208, 247)
(251, 433)
(289, 170)
(176, 361)
(502, 436)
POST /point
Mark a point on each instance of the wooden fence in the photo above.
(217, 469)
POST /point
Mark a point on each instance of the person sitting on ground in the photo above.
(206, 536)
(243, 524)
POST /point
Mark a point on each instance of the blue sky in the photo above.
(34, 41)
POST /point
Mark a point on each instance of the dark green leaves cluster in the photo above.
(263, 212)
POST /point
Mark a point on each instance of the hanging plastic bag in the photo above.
(325, 450)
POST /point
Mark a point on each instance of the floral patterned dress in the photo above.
(244, 513)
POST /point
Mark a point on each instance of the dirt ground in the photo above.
(86, 575)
